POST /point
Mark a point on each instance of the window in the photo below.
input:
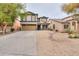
(34, 18)
(53, 26)
(65, 26)
(38, 20)
(73, 23)
(29, 18)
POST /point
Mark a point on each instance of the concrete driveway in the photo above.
(43, 43)
(19, 43)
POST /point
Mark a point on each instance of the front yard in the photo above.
(59, 44)
(40, 43)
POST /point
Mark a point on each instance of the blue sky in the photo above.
(51, 10)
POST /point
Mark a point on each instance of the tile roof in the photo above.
(43, 17)
(57, 20)
(30, 13)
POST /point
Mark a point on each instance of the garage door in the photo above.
(29, 27)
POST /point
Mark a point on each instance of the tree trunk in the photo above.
(4, 27)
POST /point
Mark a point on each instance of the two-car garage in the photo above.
(29, 27)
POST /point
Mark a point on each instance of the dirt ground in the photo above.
(51, 43)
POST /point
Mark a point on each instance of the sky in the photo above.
(51, 10)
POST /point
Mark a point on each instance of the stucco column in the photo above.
(31, 18)
(41, 26)
(76, 24)
(70, 25)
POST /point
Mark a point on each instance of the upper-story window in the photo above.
(43, 19)
(28, 18)
(33, 18)
(38, 19)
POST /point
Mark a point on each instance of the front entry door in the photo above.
(39, 27)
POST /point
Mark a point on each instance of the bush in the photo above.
(56, 30)
(74, 35)
(12, 29)
(70, 31)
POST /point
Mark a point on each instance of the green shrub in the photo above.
(74, 35)
(70, 31)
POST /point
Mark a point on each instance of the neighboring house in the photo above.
(30, 21)
(42, 23)
(72, 22)
(67, 23)
(56, 24)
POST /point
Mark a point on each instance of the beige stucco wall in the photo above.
(33, 18)
(29, 27)
(43, 20)
(78, 28)
(74, 27)
(58, 26)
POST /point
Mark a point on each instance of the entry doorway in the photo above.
(45, 27)
(38, 27)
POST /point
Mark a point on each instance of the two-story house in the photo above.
(30, 21)
(42, 23)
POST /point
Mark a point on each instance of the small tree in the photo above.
(72, 8)
(8, 12)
